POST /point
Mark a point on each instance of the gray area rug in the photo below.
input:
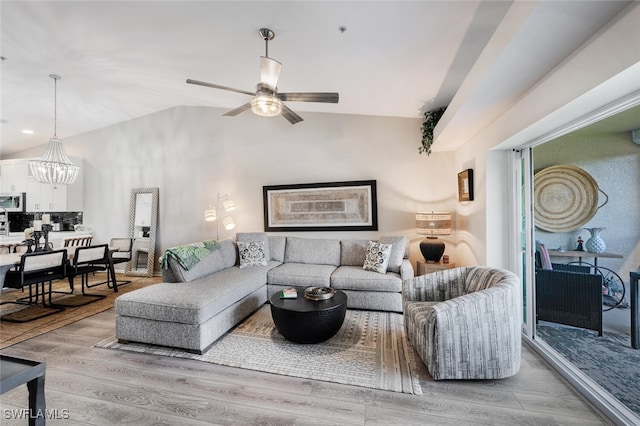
(609, 360)
(370, 350)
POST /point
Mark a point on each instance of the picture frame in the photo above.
(465, 185)
(327, 206)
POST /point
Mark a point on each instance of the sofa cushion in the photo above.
(277, 244)
(353, 252)
(301, 274)
(377, 258)
(398, 251)
(193, 302)
(224, 257)
(251, 237)
(252, 254)
(356, 278)
(312, 250)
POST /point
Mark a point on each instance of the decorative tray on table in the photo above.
(318, 293)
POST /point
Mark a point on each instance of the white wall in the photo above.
(192, 153)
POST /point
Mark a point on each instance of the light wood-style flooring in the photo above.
(95, 386)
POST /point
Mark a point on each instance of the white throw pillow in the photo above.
(377, 258)
(252, 253)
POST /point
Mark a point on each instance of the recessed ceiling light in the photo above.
(28, 132)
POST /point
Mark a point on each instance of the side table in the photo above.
(17, 371)
(427, 268)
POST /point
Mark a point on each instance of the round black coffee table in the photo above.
(308, 321)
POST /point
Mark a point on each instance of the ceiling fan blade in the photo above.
(241, 108)
(291, 116)
(269, 72)
(327, 97)
(217, 86)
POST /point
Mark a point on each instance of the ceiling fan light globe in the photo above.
(266, 106)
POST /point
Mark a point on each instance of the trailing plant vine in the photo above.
(431, 119)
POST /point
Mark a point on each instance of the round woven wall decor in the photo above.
(566, 198)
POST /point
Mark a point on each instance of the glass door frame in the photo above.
(523, 248)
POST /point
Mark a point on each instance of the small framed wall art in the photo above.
(465, 185)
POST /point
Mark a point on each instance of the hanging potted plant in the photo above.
(431, 119)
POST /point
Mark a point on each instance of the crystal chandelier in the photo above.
(54, 166)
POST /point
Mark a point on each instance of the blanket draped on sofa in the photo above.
(189, 255)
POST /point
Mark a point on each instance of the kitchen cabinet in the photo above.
(13, 176)
(46, 197)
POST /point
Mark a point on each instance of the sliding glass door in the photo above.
(523, 190)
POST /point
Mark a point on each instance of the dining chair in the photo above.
(120, 249)
(34, 271)
(78, 241)
(88, 260)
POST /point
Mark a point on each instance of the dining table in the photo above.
(9, 261)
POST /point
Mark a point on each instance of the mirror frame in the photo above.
(152, 231)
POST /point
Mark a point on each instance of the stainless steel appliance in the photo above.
(13, 202)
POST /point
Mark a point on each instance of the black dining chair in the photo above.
(35, 270)
(120, 249)
(89, 260)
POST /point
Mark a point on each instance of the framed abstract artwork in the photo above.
(329, 206)
(465, 185)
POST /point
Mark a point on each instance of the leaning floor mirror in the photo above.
(143, 221)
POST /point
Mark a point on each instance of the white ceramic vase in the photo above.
(595, 244)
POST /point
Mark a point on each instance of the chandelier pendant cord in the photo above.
(55, 107)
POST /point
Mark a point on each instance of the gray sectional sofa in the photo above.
(192, 308)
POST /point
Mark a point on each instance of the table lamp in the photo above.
(431, 225)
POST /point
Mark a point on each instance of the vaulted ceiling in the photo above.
(119, 59)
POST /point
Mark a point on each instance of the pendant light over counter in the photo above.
(54, 166)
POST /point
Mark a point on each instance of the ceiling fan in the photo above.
(266, 101)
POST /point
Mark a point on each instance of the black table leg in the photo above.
(37, 404)
(112, 273)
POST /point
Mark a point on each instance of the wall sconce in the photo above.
(211, 213)
(431, 225)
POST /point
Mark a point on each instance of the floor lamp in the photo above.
(433, 224)
(211, 214)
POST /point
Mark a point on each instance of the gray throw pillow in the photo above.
(398, 251)
(377, 258)
(252, 254)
